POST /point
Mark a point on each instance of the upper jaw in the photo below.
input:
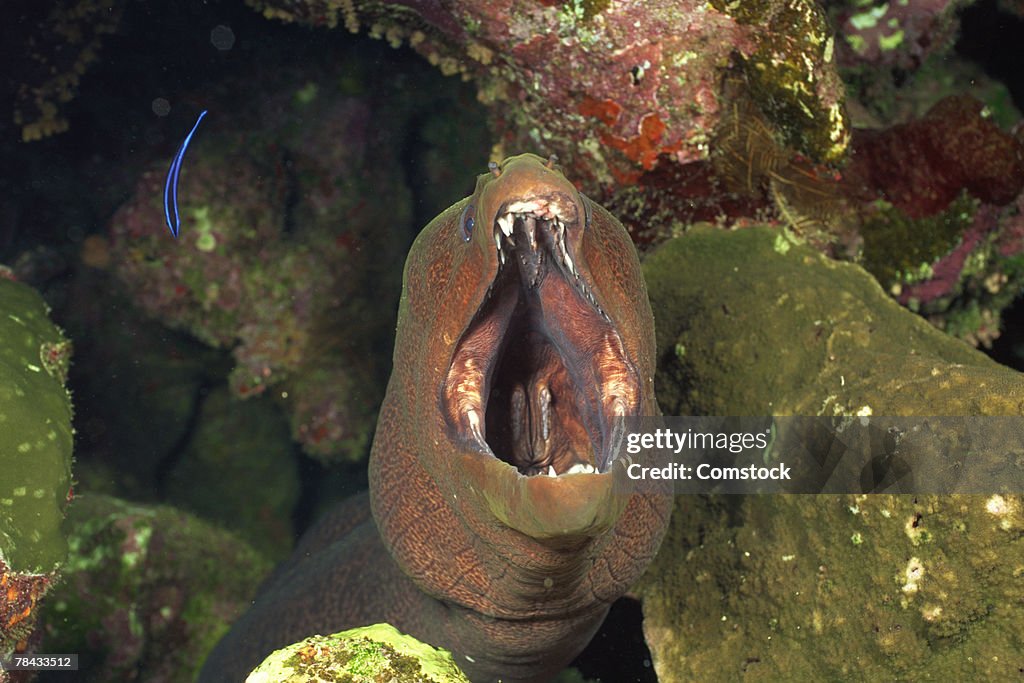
(536, 220)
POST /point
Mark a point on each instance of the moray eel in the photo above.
(497, 531)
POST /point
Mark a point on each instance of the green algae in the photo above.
(806, 588)
(361, 655)
(35, 432)
(796, 333)
(148, 590)
(760, 588)
(901, 249)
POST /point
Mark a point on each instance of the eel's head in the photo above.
(547, 337)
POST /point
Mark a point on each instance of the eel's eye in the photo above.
(466, 221)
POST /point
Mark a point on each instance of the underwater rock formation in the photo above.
(360, 655)
(278, 246)
(873, 587)
(938, 211)
(894, 35)
(800, 588)
(921, 166)
(147, 590)
(788, 331)
(35, 457)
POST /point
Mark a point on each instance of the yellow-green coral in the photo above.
(35, 433)
(360, 655)
(792, 74)
(901, 250)
(809, 588)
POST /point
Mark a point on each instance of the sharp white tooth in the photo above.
(474, 425)
(551, 471)
(497, 241)
(569, 264)
(501, 255)
(618, 407)
(505, 223)
(581, 468)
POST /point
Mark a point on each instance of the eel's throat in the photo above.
(541, 373)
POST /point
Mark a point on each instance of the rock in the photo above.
(871, 587)
(147, 591)
(35, 458)
(830, 587)
(360, 655)
(783, 330)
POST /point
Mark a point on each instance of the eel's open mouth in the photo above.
(541, 372)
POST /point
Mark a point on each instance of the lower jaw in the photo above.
(541, 507)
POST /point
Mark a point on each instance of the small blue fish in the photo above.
(171, 185)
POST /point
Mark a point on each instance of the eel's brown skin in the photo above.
(512, 574)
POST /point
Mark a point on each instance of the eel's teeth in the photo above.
(618, 407)
(581, 468)
(497, 241)
(505, 223)
(474, 425)
(551, 471)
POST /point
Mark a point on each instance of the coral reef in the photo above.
(896, 57)
(278, 244)
(360, 655)
(921, 166)
(936, 204)
(901, 35)
(789, 332)
(35, 458)
(147, 591)
(35, 415)
(585, 80)
(874, 587)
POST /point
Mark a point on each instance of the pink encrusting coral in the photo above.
(940, 199)
(616, 88)
(922, 165)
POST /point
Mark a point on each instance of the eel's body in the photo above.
(524, 330)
